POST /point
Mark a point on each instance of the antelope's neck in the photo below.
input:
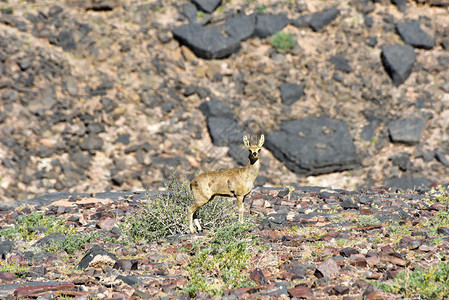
(254, 167)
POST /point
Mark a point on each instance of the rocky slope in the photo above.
(112, 95)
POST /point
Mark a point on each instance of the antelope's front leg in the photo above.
(240, 206)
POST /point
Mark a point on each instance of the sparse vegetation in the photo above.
(167, 214)
(283, 41)
(27, 227)
(222, 262)
(14, 268)
(441, 194)
(261, 9)
(367, 220)
(338, 219)
(398, 230)
(71, 243)
(431, 283)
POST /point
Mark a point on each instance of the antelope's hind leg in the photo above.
(196, 221)
(198, 201)
(190, 212)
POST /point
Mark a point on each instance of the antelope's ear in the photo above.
(245, 141)
(261, 140)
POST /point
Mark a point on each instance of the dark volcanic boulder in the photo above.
(321, 19)
(216, 108)
(412, 34)
(314, 146)
(407, 131)
(224, 131)
(340, 63)
(398, 61)
(207, 5)
(291, 92)
(66, 40)
(267, 24)
(410, 183)
(241, 27)
(206, 42)
(223, 128)
(103, 257)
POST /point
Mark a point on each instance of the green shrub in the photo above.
(71, 243)
(431, 283)
(440, 219)
(283, 41)
(338, 219)
(367, 220)
(25, 226)
(222, 263)
(14, 268)
(167, 214)
(396, 229)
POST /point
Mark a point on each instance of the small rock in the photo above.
(319, 20)
(278, 218)
(329, 268)
(401, 160)
(283, 193)
(409, 183)
(297, 268)
(348, 251)
(371, 41)
(291, 92)
(302, 21)
(101, 5)
(407, 131)
(206, 42)
(398, 61)
(443, 230)
(340, 63)
(358, 260)
(400, 4)
(348, 203)
(441, 157)
(96, 258)
(123, 139)
(241, 27)
(208, 6)
(395, 259)
(413, 35)
(216, 108)
(427, 248)
(92, 142)
(190, 12)
(106, 224)
(126, 264)
(258, 276)
(66, 40)
(53, 237)
(339, 290)
(7, 276)
(267, 24)
(300, 292)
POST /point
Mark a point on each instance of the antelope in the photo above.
(237, 182)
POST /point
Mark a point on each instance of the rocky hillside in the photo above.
(114, 95)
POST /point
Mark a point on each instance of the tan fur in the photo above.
(237, 182)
